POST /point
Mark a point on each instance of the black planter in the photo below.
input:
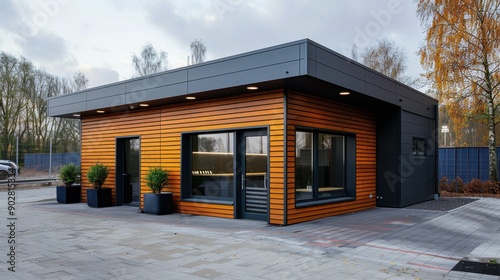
(70, 194)
(158, 203)
(98, 198)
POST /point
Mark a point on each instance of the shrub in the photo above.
(69, 174)
(444, 185)
(156, 179)
(459, 185)
(474, 186)
(97, 174)
(492, 187)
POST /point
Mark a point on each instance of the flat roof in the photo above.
(302, 65)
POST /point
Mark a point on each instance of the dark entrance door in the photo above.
(128, 171)
(254, 175)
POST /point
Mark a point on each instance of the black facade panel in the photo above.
(339, 62)
(271, 72)
(69, 108)
(417, 171)
(380, 81)
(110, 101)
(380, 93)
(243, 63)
(106, 91)
(158, 80)
(388, 152)
(340, 78)
(156, 93)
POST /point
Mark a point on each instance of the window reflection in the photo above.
(319, 165)
(212, 167)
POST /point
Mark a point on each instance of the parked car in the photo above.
(4, 172)
(12, 165)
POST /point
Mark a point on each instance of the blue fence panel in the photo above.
(41, 162)
(484, 164)
(446, 163)
(473, 164)
(466, 163)
(462, 164)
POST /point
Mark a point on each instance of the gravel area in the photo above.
(443, 204)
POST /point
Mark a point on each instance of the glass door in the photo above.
(128, 170)
(254, 175)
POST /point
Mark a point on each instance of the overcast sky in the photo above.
(99, 37)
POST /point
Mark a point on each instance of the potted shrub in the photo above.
(157, 202)
(98, 196)
(69, 193)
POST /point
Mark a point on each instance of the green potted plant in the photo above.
(98, 196)
(69, 174)
(157, 202)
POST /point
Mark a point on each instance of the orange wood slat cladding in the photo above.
(314, 112)
(160, 131)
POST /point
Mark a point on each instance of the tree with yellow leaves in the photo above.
(461, 59)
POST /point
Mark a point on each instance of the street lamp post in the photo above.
(445, 129)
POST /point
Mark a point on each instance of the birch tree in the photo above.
(150, 61)
(461, 59)
(387, 58)
(198, 52)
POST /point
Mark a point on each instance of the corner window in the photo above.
(322, 160)
(418, 147)
(211, 162)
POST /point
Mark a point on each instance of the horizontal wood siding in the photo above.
(99, 135)
(263, 109)
(314, 112)
(160, 132)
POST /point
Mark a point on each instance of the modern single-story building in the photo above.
(284, 134)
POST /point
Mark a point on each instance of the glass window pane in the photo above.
(212, 168)
(303, 165)
(330, 165)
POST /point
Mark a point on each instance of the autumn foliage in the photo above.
(462, 62)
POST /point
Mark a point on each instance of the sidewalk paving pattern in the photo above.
(57, 241)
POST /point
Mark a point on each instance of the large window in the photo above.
(321, 162)
(212, 166)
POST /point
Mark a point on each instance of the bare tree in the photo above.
(150, 61)
(13, 80)
(388, 59)
(24, 90)
(198, 52)
(79, 82)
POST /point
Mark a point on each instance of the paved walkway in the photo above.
(56, 241)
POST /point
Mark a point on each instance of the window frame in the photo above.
(415, 147)
(349, 168)
(187, 169)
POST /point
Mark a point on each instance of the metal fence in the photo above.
(466, 163)
(44, 162)
(41, 160)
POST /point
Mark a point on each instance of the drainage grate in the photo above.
(482, 266)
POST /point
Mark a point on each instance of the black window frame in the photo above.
(187, 172)
(419, 147)
(349, 169)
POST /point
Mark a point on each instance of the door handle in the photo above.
(242, 181)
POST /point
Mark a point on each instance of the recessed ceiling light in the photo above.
(76, 115)
(344, 93)
(190, 97)
(252, 88)
(144, 105)
(100, 111)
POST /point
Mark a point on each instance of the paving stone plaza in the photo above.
(74, 241)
